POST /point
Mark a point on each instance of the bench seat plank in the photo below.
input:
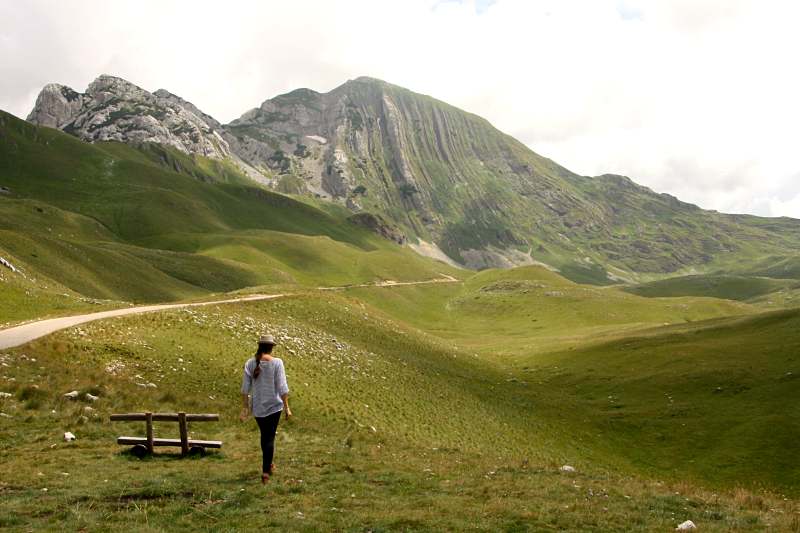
(164, 417)
(132, 441)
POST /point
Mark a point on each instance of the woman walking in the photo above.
(265, 394)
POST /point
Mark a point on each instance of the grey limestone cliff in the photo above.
(113, 109)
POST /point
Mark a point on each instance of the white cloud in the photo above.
(697, 98)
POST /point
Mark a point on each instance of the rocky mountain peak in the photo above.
(107, 86)
(366, 80)
(56, 106)
(114, 109)
(177, 100)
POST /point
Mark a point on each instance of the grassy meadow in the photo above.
(394, 429)
(429, 407)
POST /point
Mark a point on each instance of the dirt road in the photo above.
(18, 335)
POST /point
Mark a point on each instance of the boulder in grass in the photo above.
(686, 526)
(71, 395)
(69, 436)
(5, 395)
(92, 397)
(567, 468)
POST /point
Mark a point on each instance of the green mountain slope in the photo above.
(741, 288)
(112, 221)
(449, 177)
(453, 184)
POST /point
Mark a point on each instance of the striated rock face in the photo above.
(113, 109)
(445, 176)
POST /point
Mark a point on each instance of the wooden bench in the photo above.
(144, 445)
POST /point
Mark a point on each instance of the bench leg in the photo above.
(149, 423)
(184, 433)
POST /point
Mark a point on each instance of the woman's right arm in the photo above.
(283, 389)
(286, 408)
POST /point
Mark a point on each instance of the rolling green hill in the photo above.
(506, 313)
(677, 383)
(709, 400)
(111, 221)
(777, 267)
(399, 429)
(741, 288)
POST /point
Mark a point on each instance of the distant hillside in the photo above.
(447, 178)
(110, 221)
(716, 286)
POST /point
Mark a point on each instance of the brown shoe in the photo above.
(264, 478)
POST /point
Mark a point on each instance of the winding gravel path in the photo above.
(18, 335)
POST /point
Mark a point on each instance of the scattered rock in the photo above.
(71, 395)
(89, 409)
(5, 395)
(114, 367)
(4, 415)
(567, 468)
(69, 436)
(686, 526)
(92, 397)
(8, 265)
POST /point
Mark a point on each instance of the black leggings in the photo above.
(268, 425)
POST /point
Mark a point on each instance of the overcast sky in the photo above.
(697, 98)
